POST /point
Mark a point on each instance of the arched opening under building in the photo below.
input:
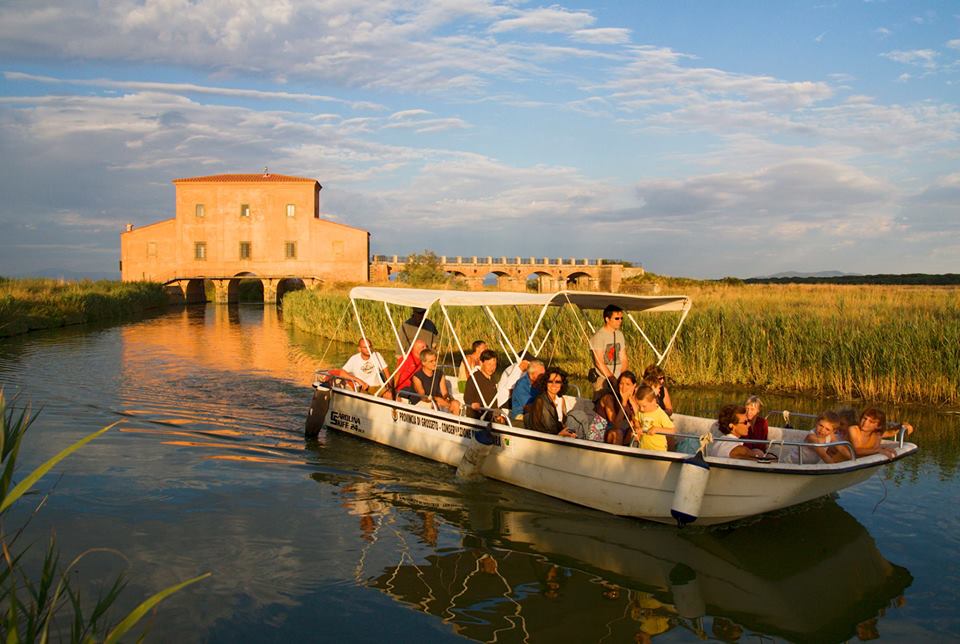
(289, 285)
(197, 291)
(247, 287)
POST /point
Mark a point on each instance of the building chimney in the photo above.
(129, 227)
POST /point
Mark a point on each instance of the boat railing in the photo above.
(786, 414)
(776, 442)
(334, 378)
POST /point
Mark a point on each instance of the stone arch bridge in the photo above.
(193, 290)
(511, 273)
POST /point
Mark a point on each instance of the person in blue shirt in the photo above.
(523, 390)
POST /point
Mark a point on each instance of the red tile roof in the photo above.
(246, 178)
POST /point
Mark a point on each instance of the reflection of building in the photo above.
(265, 226)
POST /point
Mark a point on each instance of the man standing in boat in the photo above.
(412, 329)
(609, 350)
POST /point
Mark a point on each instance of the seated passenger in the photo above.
(759, 429)
(523, 391)
(656, 372)
(549, 409)
(509, 378)
(431, 385)
(866, 436)
(617, 409)
(403, 378)
(472, 360)
(733, 422)
(481, 390)
(650, 422)
(825, 431)
(367, 368)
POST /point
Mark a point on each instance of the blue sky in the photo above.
(698, 138)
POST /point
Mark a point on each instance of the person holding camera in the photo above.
(609, 349)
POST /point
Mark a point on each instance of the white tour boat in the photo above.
(654, 485)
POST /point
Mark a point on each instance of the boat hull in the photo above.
(619, 480)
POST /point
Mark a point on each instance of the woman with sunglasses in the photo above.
(733, 423)
(548, 410)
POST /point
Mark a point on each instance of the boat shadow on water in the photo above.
(501, 564)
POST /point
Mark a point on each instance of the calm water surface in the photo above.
(343, 540)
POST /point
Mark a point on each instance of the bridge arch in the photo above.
(579, 281)
(539, 282)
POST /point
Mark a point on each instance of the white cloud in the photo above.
(883, 32)
(550, 20)
(926, 58)
(602, 36)
(190, 88)
(954, 44)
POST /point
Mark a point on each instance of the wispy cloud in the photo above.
(926, 58)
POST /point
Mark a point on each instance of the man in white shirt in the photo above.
(509, 378)
(367, 368)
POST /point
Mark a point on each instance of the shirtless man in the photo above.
(866, 436)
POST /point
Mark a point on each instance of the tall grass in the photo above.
(30, 304)
(883, 343)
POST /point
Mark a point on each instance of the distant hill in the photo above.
(831, 277)
(794, 274)
(64, 273)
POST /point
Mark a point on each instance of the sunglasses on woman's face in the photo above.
(555, 382)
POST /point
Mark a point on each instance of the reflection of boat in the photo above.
(810, 574)
(615, 479)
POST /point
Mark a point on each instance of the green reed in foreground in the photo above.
(882, 343)
(29, 304)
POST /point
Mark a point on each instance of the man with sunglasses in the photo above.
(609, 350)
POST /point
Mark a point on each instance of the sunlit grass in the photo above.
(881, 343)
(29, 304)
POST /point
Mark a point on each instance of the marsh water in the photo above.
(342, 540)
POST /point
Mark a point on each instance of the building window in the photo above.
(291, 210)
(200, 210)
(244, 250)
(290, 250)
(200, 250)
(245, 210)
(151, 249)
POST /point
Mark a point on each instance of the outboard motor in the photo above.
(318, 411)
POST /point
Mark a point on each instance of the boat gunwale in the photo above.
(811, 469)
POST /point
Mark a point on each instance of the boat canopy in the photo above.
(425, 298)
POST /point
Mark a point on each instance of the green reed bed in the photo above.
(882, 343)
(30, 304)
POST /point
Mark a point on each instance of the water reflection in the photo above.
(519, 574)
(210, 472)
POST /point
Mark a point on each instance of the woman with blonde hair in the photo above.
(758, 424)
